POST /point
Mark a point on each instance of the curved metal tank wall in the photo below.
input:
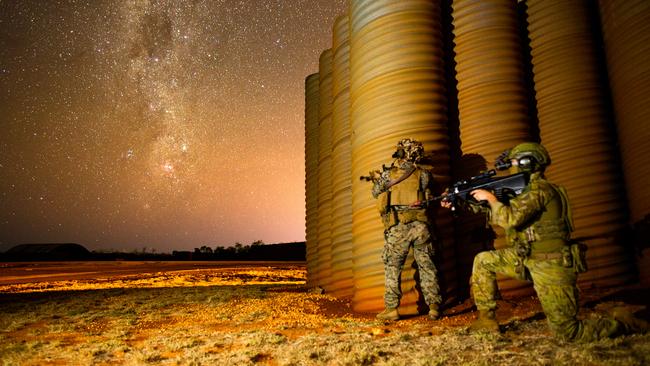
(342, 275)
(397, 90)
(311, 176)
(575, 129)
(325, 171)
(626, 34)
(492, 95)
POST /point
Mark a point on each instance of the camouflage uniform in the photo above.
(405, 227)
(538, 225)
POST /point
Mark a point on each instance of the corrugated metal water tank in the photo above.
(311, 176)
(626, 34)
(397, 90)
(325, 171)
(577, 133)
(342, 275)
(492, 95)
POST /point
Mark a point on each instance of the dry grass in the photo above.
(257, 317)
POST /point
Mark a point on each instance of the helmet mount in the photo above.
(409, 150)
(530, 157)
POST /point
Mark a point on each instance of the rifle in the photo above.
(376, 175)
(381, 179)
(503, 188)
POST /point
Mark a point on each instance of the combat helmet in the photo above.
(530, 156)
(409, 150)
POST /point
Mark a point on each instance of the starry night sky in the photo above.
(162, 124)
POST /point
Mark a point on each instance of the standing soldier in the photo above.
(402, 191)
(538, 226)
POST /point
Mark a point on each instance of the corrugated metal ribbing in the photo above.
(577, 134)
(325, 171)
(626, 33)
(397, 90)
(311, 176)
(342, 274)
(492, 96)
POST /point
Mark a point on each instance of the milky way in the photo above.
(158, 124)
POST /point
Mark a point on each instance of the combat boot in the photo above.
(434, 312)
(631, 323)
(388, 314)
(486, 322)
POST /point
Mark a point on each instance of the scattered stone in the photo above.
(380, 331)
(317, 290)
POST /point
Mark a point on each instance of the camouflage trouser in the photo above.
(399, 239)
(555, 286)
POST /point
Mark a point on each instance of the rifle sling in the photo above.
(406, 174)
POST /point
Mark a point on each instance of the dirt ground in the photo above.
(246, 313)
(30, 276)
(25, 272)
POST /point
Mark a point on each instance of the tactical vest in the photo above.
(393, 204)
(407, 191)
(552, 229)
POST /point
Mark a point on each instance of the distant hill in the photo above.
(51, 251)
(4, 247)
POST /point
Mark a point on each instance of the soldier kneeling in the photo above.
(538, 226)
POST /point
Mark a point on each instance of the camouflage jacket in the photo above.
(540, 216)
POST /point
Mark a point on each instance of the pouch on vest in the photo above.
(382, 203)
(567, 257)
(522, 249)
(389, 219)
(408, 216)
(578, 252)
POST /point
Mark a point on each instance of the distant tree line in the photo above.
(256, 251)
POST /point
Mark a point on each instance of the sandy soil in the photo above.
(228, 313)
(30, 276)
(26, 272)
